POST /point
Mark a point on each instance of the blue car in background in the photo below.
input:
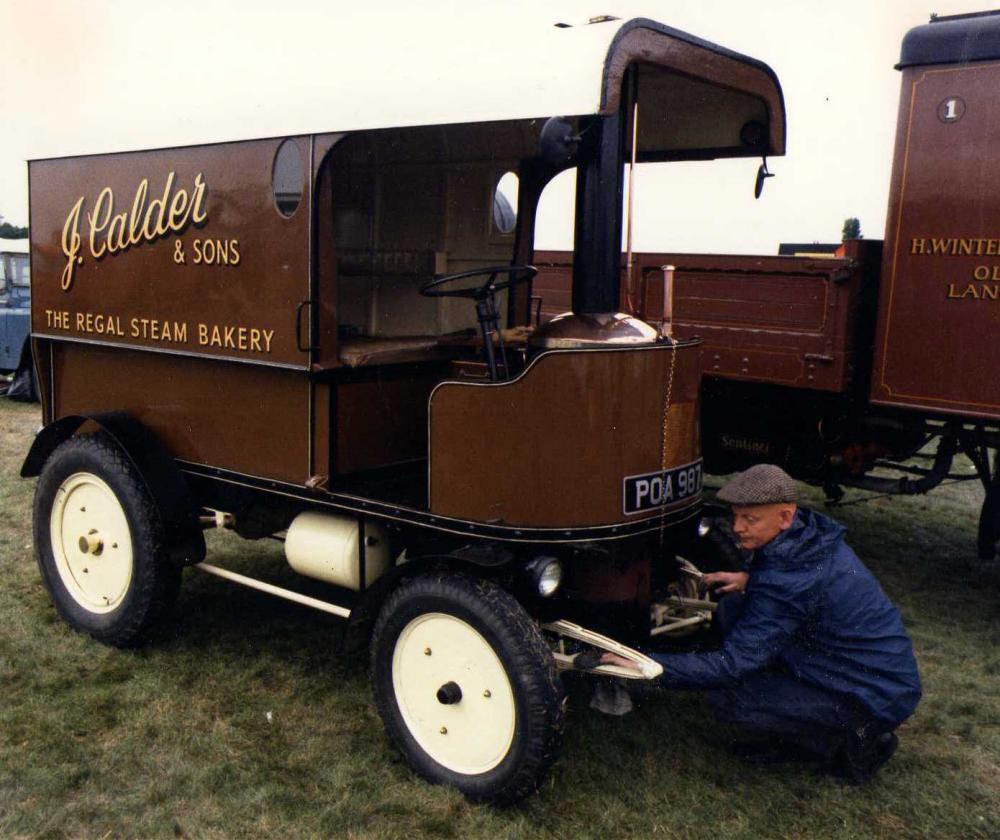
(15, 319)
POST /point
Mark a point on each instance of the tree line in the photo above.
(9, 231)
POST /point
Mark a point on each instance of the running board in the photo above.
(271, 589)
(649, 669)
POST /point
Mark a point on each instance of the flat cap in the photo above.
(762, 484)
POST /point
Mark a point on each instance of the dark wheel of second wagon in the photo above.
(989, 524)
(712, 548)
(467, 687)
(716, 549)
(99, 542)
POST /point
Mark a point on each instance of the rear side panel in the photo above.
(177, 250)
(939, 306)
(167, 284)
(244, 418)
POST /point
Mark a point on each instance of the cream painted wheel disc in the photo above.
(473, 734)
(91, 543)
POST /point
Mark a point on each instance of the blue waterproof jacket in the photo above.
(813, 608)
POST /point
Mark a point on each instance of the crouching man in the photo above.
(815, 658)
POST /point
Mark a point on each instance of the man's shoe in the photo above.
(862, 756)
(611, 698)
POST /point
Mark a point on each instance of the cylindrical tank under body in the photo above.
(329, 548)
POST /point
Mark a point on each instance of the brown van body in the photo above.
(178, 293)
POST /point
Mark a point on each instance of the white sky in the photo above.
(77, 72)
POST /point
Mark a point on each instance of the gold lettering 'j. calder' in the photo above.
(109, 232)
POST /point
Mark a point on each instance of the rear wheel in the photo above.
(99, 541)
(466, 686)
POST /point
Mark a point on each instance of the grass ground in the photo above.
(246, 723)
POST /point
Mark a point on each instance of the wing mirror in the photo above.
(762, 175)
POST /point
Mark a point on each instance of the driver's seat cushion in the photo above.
(360, 351)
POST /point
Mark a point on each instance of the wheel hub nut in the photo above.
(91, 543)
(449, 694)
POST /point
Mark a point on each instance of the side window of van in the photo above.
(288, 178)
(505, 203)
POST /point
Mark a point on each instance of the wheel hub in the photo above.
(91, 542)
(453, 693)
(449, 693)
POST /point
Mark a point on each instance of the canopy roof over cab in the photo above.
(389, 76)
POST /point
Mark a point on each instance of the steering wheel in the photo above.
(518, 274)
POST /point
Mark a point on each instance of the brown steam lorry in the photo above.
(327, 338)
(880, 359)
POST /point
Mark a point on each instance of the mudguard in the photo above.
(366, 609)
(166, 485)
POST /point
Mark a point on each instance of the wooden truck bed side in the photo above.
(793, 321)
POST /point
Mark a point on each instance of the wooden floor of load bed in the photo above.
(362, 351)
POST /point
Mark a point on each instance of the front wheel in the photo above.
(99, 541)
(466, 686)
(716, 548)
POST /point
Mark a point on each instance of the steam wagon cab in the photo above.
(328, 338)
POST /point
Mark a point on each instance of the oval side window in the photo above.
(505, 203)
(287, 178)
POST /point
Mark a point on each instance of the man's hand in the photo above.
(726, 582)
(614, 659)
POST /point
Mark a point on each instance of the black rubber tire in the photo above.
(155, 579)
(24, 384)
(28, 364)
(717, 550)
(525, 657)
(989, 524)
